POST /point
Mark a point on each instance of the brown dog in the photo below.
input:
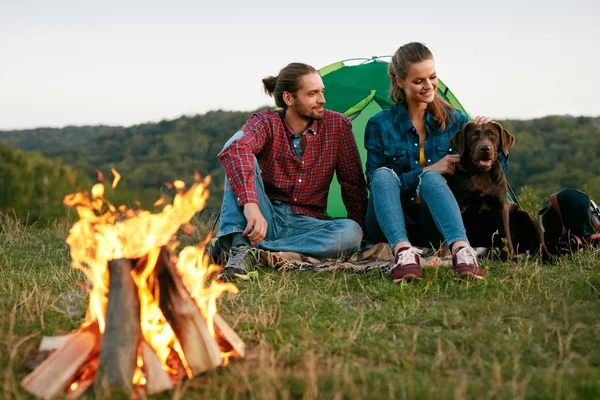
(481, 191)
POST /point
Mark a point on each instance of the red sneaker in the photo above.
(465, 264)
(407, 266)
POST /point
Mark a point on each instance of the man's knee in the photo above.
(235, 136)
(348, 236)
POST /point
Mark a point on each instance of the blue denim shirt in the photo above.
(392, 141)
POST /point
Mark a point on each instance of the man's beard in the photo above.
(317, 116)
(308, 113)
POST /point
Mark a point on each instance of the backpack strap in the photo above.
(576, 240)
(593, 239)
(579, 242)
(556, 207)
(595, 215)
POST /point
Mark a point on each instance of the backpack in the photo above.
(571, 221)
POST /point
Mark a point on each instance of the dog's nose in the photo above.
(486, 148)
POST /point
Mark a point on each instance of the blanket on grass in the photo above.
(378, 256)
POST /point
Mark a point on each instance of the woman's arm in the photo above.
(351, 178)
(374, 146)
(379, 133)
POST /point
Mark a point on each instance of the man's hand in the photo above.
(446, 165)
(256, 230)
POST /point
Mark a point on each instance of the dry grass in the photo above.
(528, 331)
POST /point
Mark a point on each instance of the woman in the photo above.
(408, 154)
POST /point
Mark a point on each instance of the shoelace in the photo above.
(238, 254)
(466, 255)
(408, 256)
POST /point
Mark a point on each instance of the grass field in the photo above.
(527, 331)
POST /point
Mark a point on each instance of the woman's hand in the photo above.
(446, 165)
(480, 120)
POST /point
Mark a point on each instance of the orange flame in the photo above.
(117, 178)
(104, 232)
(138, 375)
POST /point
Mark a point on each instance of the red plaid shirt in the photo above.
(302, 182)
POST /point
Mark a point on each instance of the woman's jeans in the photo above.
(287, 231)
(386, 219)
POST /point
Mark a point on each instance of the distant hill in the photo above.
(146, 155)
(32, 186)
(550, 152)
(44, 139)
(555, 152)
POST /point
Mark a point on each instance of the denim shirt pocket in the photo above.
(397, 159)
(443, 150)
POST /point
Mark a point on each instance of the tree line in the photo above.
(39, 166)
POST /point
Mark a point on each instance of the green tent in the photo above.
(359, 88)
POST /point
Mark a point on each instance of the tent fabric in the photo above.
(359, 88)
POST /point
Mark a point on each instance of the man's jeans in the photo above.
(287, 231)
(385, 216)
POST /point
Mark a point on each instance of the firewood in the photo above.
(82, 387)
(231, 338)
(118, 352)
(157, 379)
(85, 377)
(56, 373)
(181, 311)
(50, 343)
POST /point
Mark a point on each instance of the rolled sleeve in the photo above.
(247, 195)
(351, 178)
(374, 146)
(374, 143)
(238, 159)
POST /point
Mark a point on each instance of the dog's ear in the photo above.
(506, 139)
(458, 141)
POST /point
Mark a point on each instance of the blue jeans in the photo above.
(287, 231)
(386, 217)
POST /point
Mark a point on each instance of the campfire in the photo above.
(152, 315)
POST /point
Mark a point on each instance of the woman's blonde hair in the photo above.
(405, 56)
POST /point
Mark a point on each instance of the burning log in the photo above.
(157, 379)
(85, 378)
(56, 373)
(80, 388)
(121, 337)
(179, 308)
(50, 343)
(227, 335)
(151, 316)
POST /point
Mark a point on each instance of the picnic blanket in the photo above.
(377, 256)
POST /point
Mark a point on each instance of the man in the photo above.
(278, 170)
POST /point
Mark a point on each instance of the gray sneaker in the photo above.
(241, 260)
(217, 254)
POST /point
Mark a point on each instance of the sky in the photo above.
(127, 62)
